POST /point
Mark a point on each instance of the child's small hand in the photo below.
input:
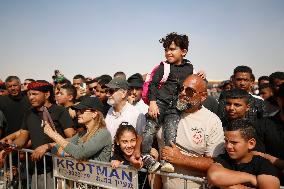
(115, 163)
(153, 110)
(201, 74)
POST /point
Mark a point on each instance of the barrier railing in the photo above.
(70, 173)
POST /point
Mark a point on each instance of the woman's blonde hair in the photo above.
(99, 123)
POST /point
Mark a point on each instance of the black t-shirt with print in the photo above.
(32, 123)
(257, 166)
(33, 120)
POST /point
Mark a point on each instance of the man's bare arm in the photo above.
(11, 136)
(22, 139)
(267, 182)
(238, 186)
(219, 176)
(173, 155)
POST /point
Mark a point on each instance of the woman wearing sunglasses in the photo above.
(93, 143)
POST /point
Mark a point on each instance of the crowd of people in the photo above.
(161, 121)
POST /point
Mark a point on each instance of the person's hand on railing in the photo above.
(39, 152)
(5, 147)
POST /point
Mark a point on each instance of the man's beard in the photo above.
(111, 102)
(183, 104)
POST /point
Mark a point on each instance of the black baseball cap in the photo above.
(89, 103)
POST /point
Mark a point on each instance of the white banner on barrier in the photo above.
(100, 175)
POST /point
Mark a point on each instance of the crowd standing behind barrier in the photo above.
(198, 141)
(89, 172)
(10, 182)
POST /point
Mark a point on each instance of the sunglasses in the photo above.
(82, 111)
(92, 88)
(188, 91)
(111, 91)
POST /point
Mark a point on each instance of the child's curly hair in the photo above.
(179, 40)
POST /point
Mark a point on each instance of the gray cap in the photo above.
(118, 83)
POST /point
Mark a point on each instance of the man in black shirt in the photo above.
(41, 94)
(239, 167)
(14, 105)
(270, 135)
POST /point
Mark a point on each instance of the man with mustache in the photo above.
(135, 83)
(14, 105)
(200, 135)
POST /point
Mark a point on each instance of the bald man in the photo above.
(200, 135)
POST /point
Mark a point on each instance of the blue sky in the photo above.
(98, 37)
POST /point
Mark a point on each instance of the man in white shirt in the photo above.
(121, 110)
(135, 83)
(200, 135)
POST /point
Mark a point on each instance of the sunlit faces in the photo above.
(91, 88)
(136, 93)
(37, 98)
(101, 93)
(77, 83)
(85, 115)
(236, 108)
(265, 93)
(115, 96)
(242, 80)
(237, 147)
(127, 142)
(175, 54)
(189, 98)
(25, 85)
(62, 97)
(13, 87)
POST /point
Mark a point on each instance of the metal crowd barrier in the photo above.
(69, 173)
